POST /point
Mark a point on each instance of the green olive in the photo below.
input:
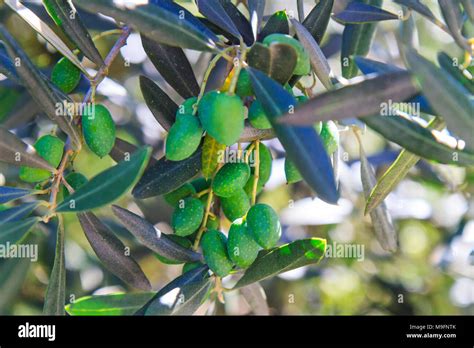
(65, 75)
(230, 178)
(235, 206)
(98, 128)
(303, 65)
(244, 86)
(214, 248)
(172, 198)
(257, 117)
(183, 138)
(263, 223)
(292, 173)
(75, 180)
(241, 247)
(187, 216)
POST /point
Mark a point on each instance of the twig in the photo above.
(256, 174)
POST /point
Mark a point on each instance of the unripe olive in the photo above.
(230, 178)
(222, 116)
(186, 108)
(201, 184)
(244, 86)
(173, 197)
(184, 242)
(263, 223)
(183, 138)
(98, 128)
(330, 136)
(235, 206)
(212, 223)
(65, 75)
(214, 248)
(292, 173)
(302, 63)
(187, 216)
(265, 163)
(241, 247)
(50, 148)
(75, 180)
(248, 188)
(257, 117)
(190, 266)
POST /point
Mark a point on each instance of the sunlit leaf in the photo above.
(17, 213)
(277, 23)
(104, 305)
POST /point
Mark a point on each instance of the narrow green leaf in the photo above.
(418, 140)
(302, 144)
(163, 22)
(355, 100)
(108, 185)
(453, 17)
(418, 6)
(166, 176)
(153, 238)
(381, 219)
(461, 76)
(123, 149)
(468, 6)
(356, 40)
(55, 297)
(256, 298)
(15, 231)
(66, 17)
(277, 23)
(317, 20)
(318, 60)
(214, 11)
(358, 12)
(7, 68)
(40, 88)
(105, 305)
(240, 21)
(112, 252)
(162, 107)
(277, 61)
(8, 194)
(446, 95)
(256, 11)
(173, 65)
(210, 155)
(15, 151)
(282, 259)
(18, 212)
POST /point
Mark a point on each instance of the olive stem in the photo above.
(204, 220)
(238, 67)
(57, 182)
(256, 171)
(249, 152)
(219, 289)
(203, 192)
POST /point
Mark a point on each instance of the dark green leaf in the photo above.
(242, 24)
(453, 17)
(447, 96)
(358, 12)
(10, 193)
(448, 64)
(418, 6)
(161, 106)
(356, 40)
(13, 232)
(160, 21)
(123, 149)
(277, 23)
(173, 65)
(256, 11)
(40, 88)
(166, 176)
(7, 68)
(317, 20)
(113, 304)
(18, 212)
(302, 144)
(277, 61)
(361, 99)
(210, 156)
(66, 17)
(468, 6)
(154, 239)
(112, 252)
(419, 140)
(55, 298)
(214, 11)
(283, 259)
(108, 185)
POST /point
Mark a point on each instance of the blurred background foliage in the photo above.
(432, 273)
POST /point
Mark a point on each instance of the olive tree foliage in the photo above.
(253, 90)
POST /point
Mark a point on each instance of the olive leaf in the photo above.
(302, 144)
(173, 65)
(17, 213)
(182, 296)
(105, 305)
(277, 23)
(283, 259)
(55, 297)
(453, 17)
(166, 176)
(240, 21)
(354, 100)
(123, 149)
(256, 298)
(356, 40)
(318, 60)
(109, 185)
(359, 12)
(112, 252)
(468, 6)
(419, 140)
(40, 89)
(418, 6)
(395, 173)
(446, 95)
(162, 21)
(210, 155)
(7, 67)
(15, 151)
(251, 134)
(67, 18)
(214, 11)
(15, 231)
(8, 194)
(278, 61)
(317, 20)
(256, 11)
(447, 63)
(161, 106)
(381, 219)
(154, 239)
